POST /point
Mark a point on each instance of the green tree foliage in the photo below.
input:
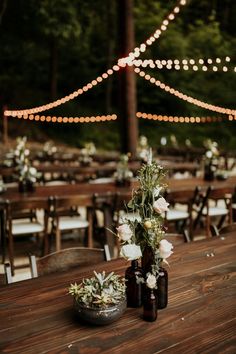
(52, 47)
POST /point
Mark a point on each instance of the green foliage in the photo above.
(87, 44)
(99, 291)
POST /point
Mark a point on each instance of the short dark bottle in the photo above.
(162, 288)
(25, 186)
(149, 305)
(133, 288)
(209, 173)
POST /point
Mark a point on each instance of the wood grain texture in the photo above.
(36, 316)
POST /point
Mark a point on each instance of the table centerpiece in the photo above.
(144, 237)
(100, 299)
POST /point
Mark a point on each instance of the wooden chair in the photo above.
(6, 277)
(224, 230)
(103, 211)
(177, 213)
(65, 216)
(22, 220)
(209, 208)
(66, 259)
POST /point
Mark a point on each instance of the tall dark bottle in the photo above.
(162, 288)
(149, 305)
(133, 287)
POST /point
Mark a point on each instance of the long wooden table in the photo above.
(90, 189)
(37, 316)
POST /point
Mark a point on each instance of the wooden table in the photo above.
(37, 314)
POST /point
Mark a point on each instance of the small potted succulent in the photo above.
(100, 299)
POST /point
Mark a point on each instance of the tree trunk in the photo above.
(127, 80)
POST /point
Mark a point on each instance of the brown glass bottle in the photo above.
(133, 288)
(149, 305)
(162, 288)
(147, 259)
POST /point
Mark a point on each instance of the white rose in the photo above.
(124, 232)
(33, 170)
(165, 248)
(151, 281)
(160, 205)
(131, 252)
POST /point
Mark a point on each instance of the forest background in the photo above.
(49, 48)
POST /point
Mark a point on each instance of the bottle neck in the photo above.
(134, 264)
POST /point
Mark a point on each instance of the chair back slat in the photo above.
(69, 258)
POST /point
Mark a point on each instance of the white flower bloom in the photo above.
(32, 171)
(124, 232)
(156, 191)
(165, 248)
(160, 205)
(131, 252)
(151, 281)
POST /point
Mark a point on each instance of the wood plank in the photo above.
(200, 317)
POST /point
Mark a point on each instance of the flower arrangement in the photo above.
(100, 291)
(87, 152)
(147, 230)
(27, 172)
(210, 159)
(21, 152)
(123, 173)
(49, 149)
(24, 169)
(143, 148)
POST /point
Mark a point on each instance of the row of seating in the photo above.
(104, 212)
(69, 258)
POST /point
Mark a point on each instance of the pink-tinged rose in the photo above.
(160, 205)
(131, 252)
(124, 232)
(165, 249)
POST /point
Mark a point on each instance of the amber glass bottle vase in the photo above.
(133, 287)
(149, 305)
(162, 288)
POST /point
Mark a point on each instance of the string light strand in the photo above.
(176, 119)
(73, 95)
(54, 119)
(122, 62)
(184, 97)
(185, 64)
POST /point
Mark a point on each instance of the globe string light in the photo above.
(185, 64)
(176, 119)
(184, 97)
(54, 119)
